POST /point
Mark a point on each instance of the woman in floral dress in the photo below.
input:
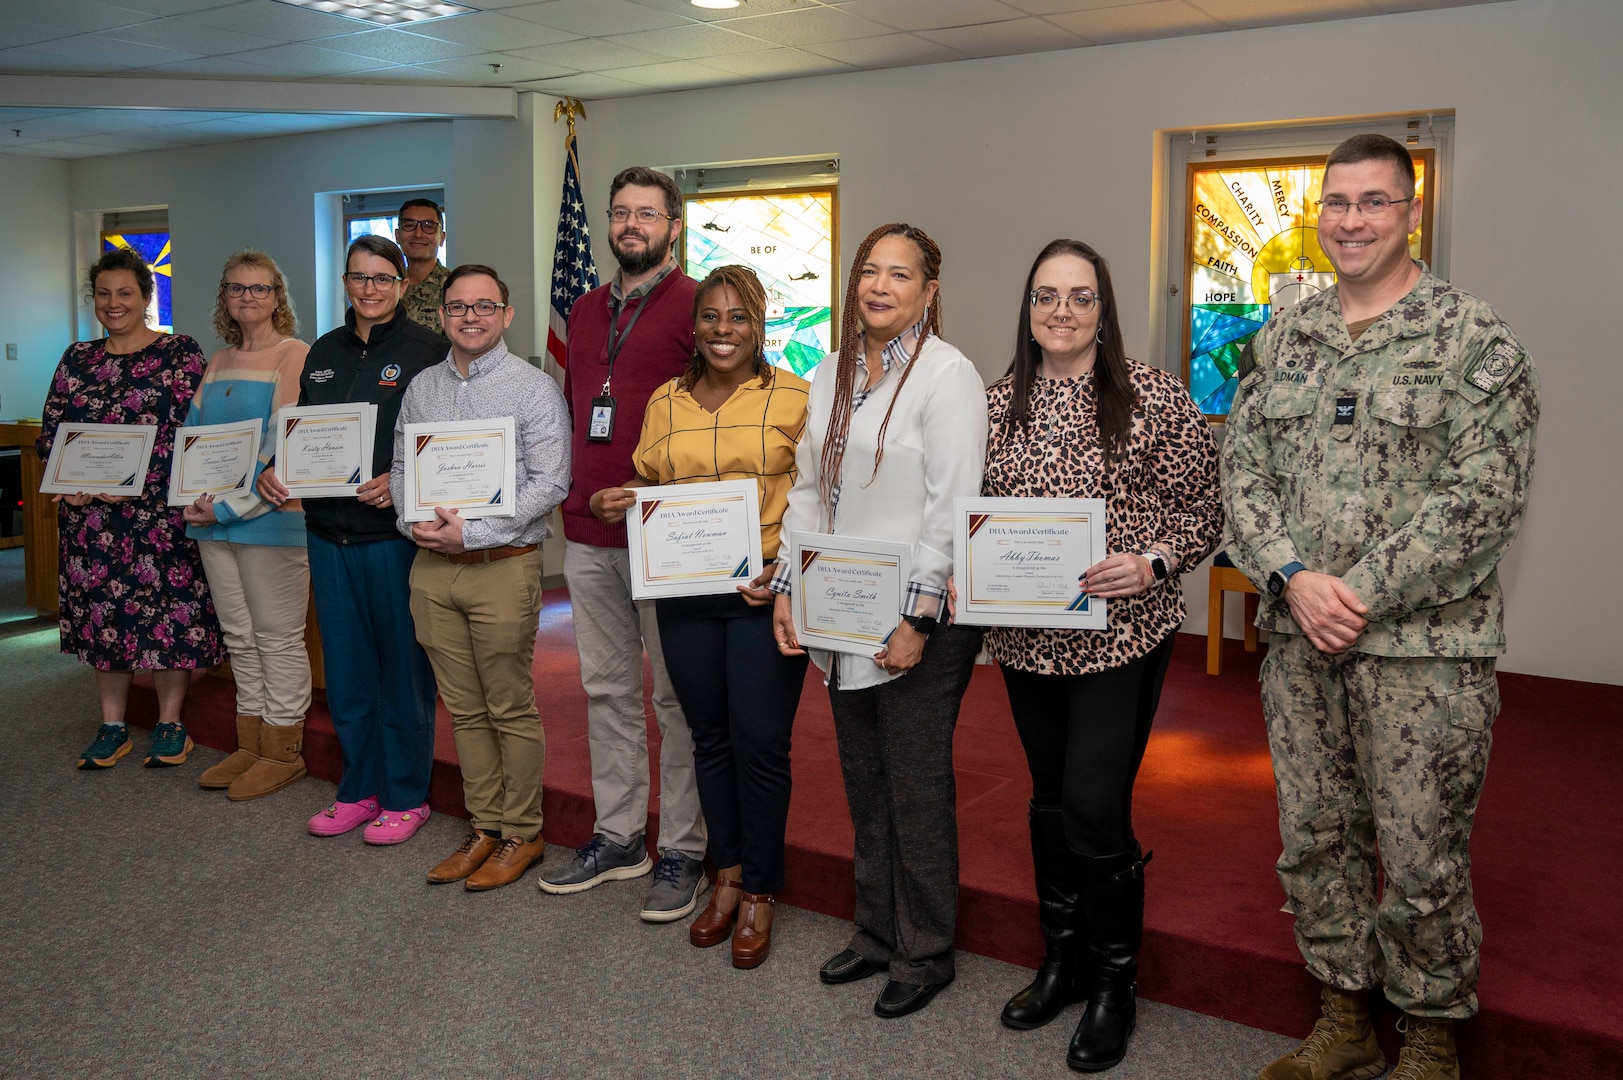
(133, 596)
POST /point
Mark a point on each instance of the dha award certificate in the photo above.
(847, 591)
(469, 466)
(324, 451)
(694, 539)
(213, 459)
(101, 459)
(1018, 561)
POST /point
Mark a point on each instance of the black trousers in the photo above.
(895, 744)
(1084, 737)
(739, 695)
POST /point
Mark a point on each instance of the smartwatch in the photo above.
(923, 624)
(1281, 577)
(1158, 564)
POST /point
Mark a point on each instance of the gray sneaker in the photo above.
(679, 881)
(594, 862)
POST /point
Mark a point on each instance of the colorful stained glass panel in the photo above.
(154, 247)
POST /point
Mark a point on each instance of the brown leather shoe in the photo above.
(752, 939)
(469, 856)
(506, 864)
(715, 923)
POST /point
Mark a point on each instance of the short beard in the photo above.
(653, 256)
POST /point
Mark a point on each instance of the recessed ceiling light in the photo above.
(386, 12)
(722, 4)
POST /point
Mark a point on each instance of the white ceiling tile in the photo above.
(596, 18)
(266, 18)
(674, 75)
(1056, 7)
(588, 54)
(111, 54)
(217, 66)
(16, 32)
(1005, 38)
(170, 7)
(33, 60)
(1249, 13)
(489, 31)
(1139, 22)
(197, 38)
(1424, 5)
(230, 128)
(750, 7)
(63, 149)
(10, 116)
(305, 59)
(912, 15)
(79, 16)
(691, 42)
(584, 86)
(808, 27)
(125, 143)
(891, 50)
(778, 64)
(476, 69)
(397, 47)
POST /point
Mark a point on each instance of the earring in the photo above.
(1100, 336)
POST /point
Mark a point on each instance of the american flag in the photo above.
(573, 271)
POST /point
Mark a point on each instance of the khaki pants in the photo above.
(261, 593)
(477, 624)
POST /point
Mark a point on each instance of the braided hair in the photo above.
(851, 346)
(743, 282)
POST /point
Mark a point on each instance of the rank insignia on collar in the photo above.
(1496, 365)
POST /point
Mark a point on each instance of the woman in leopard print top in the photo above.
(1074, 418)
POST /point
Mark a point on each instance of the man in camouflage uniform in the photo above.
(1375, 469)
(420, 230)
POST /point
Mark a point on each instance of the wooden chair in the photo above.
(1225, 578)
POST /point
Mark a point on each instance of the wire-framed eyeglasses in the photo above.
(646, 216)
(1374, 206)
(1048, 301)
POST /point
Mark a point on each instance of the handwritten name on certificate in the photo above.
(213, 459)
(694, 539)
(1019, 562)
(101, 459)
(324, 451)
(847, 591)
(469, 466)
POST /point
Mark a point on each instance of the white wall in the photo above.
(36, 278)
(996, 157)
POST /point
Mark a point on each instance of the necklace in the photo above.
(1049, 425)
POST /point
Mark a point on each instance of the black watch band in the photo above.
(923, 624)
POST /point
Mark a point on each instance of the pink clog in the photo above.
(396, 826)
(341, 817)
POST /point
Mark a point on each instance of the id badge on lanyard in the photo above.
(600, 424)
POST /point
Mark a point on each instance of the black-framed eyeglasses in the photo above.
(235, 289)
(414, 225)
(1047, 300)
(456, 308)
(647, 216)
(1374, 206)
(381, 281)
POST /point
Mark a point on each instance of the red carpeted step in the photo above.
(1548, 855)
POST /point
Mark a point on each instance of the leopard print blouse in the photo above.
(1163, 494)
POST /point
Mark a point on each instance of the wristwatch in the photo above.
(922, 624)
(1158, 564)
(1281, 577)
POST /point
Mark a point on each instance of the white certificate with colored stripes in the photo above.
(847, 591)
(1019, 562)
(470, 466)
(694, 539)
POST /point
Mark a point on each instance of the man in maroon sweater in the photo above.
(626, 339)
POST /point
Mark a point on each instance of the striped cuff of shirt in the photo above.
(780, 581)
(917, 591)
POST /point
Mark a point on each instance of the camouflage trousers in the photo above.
(1379, 757)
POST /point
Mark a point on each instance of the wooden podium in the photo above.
(39, 521)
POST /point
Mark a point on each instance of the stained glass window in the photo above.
(154, 247)
(1254, 250)
(787, 238)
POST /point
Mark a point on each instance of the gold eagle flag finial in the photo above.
(569, 108)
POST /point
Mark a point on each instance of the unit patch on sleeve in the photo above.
(1495, 366)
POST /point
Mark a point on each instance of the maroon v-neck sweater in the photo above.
(656, 351)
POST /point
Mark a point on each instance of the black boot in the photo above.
(1059, 980)
(1113, 903)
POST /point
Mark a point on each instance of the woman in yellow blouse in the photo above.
(730, 416)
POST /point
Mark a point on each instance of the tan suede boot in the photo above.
(1428, 1052)
(1341, 1047)
(246, 753)
(279, 763)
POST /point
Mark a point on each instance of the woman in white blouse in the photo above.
(887, 449)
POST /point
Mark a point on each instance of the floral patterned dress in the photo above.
(133, 594)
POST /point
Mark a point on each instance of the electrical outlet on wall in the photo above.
(11, 350)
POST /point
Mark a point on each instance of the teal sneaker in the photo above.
(170, 746)
(112, 742)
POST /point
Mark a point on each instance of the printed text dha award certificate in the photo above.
(213, 459)
(1018, 562)
(100, 459)
(847, 591)
(694, 539)
(324, 451)
(469, 466)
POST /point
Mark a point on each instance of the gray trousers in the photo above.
(895, 745)
(611, 631)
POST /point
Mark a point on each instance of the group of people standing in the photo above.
(1384, 605)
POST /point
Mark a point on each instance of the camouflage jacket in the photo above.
(422, 300)
(1399, 462)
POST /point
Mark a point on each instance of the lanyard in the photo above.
(617, 341)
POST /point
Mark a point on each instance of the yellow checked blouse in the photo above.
(753, 434)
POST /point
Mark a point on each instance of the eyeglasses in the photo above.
(1047, 301)
(620, 215)
(1374, 206)
(235, 289)
(379, 281)
(413, 225)
(456, 308)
